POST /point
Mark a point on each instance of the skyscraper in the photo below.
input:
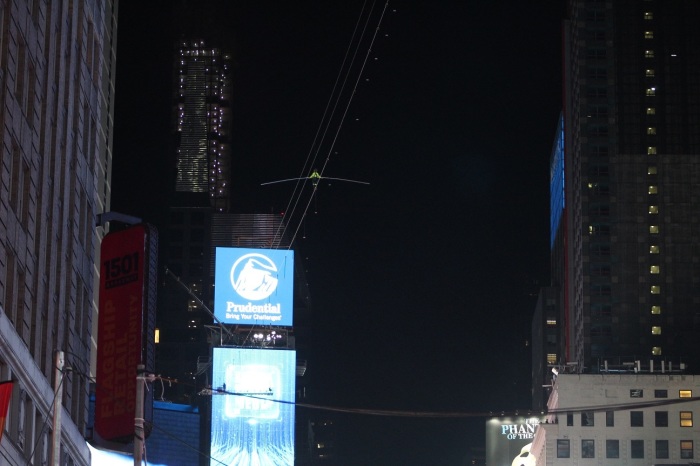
(200, 188)
(57, 64)
(202, 92)
(625, 171)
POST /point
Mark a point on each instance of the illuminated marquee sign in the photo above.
(252, 418)
(254, 286)
(508, 440)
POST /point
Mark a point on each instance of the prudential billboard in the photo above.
(254, 286)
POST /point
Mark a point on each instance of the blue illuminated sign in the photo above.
(252, 421)
(557, 195)
(254, 286)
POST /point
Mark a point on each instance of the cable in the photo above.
(326, 122)
(342, 120)
(624, 406)
(436, 414)
(308, 162)
(46, 421)
(453, 414)
(170, 273)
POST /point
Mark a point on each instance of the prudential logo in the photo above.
(254, 276)
(254, 286)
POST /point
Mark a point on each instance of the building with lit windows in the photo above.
(620, 418)
(57, 68)
(200, 188)
(202, 92)
(625, 168)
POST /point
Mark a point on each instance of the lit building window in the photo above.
(656, 310)
(551, 322)
(651, 130)
(686, 419)
(686, 449)
(655, 289)
(654, 269)
(652, 170)
(656, 330)
(685, 394)
(648, 34)
(653, 189)
(653, 229)
(651, 150)
(551, 358)
(653, 209)
(651, 92)
(654, 249)
(649, 53)
(648, 15)
(656, 351)
(598, 229)
(649, 72)
(651, 110)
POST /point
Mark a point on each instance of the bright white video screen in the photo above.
(252, 421)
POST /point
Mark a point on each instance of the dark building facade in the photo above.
(57, 68)
(625, 171)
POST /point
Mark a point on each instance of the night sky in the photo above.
(424, 282)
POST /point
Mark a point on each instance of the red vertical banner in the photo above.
(5, 394)
(121, 333)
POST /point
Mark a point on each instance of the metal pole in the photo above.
(138, 415)
(57, 410)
